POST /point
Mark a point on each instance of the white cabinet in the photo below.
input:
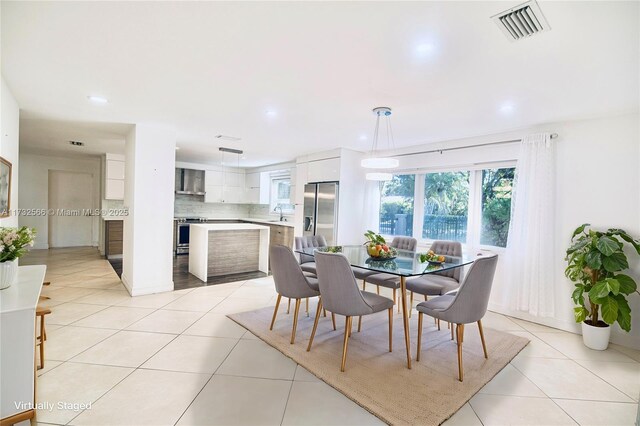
(324, 170)
(114, 189)
(17, 350)
(225, 187)
(114, 177)
(252, 180)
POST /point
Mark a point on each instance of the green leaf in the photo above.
(627, 284)
(616, 262)
(623, 234)
(578, 295)
(580, 313)
(580, 244)
(609, 310)
(607, 245)
(579, 229)
(624, 313)
(593, 259)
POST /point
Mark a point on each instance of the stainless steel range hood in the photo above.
(189, 182)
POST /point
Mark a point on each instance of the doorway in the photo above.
(71, 199)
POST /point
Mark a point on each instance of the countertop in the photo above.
(254, 220)
(25, 291)
(227, 226)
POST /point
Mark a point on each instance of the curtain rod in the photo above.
(553, 136)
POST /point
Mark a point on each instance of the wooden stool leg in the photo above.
(359, 323)
(42, 339)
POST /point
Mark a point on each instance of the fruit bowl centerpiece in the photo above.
(432, 258)
(377, 247)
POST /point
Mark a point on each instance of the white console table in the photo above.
(17, 344)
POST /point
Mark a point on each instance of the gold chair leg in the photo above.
(315, 324)
(324, 311)
(307, 308)
(333, 320)
(426, 298)
(364, 285)
(359, 323)
(438, 322)
(484, 346)
(411, 305)
(275, 312)
(460, 333)
(391, 329)
(420, 315)
(378, 289)
(347, 332)
(451, 331)
(289, 307)
(296, 312)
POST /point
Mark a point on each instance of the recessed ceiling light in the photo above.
(363, 137)
(507, 108)
(177, 148)
(271, 113)
(424, 48)
(97, 99)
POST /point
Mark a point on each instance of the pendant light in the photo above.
(375, 161)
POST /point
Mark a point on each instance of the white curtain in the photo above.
(371, 212)
(530, 258)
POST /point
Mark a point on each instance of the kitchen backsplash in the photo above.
(194, 206)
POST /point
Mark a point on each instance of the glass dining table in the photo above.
(405, 265)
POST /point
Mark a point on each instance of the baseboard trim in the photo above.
(40, 247)
(146, 290)
(618, 337)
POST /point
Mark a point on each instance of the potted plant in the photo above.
(13, 244)
(596, 261)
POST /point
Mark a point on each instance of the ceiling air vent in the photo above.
(522, 21)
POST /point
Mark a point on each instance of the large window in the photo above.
(446, 203)
(280, 196)
(396, 205)
(469, 206)
(496, 206)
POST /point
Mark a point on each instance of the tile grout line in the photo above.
(134, 369)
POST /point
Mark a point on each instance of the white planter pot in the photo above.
(8, 271)
(596, 337)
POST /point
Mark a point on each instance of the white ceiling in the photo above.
(211, 68)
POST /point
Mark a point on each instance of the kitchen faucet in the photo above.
(279, 206)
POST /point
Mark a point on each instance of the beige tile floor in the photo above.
(175, 358)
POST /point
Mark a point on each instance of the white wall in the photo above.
(149, 196)
(9, 125)
(34, 194)
(598, 181)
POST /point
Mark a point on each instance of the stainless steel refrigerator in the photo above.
(321, 210)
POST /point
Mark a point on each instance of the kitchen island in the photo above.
(218, 249)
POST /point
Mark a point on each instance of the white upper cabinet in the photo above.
(225, 187)
(114, 177)
(324, 170)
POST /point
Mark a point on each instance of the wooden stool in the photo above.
(42, 337)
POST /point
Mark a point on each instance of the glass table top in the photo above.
(406, 263)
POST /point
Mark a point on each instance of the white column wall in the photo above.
(149, 196)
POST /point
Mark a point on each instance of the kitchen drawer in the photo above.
(114, 234)
(114, 247)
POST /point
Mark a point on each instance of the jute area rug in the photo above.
(379, 380)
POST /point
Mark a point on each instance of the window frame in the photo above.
(474, 212)
(273, 189)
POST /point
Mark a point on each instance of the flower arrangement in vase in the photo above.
(14, 243)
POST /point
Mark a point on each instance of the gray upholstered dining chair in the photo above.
(307, 262)
(339, 293)
(290, 282)
(437, 283)
(390, 280)
(468, 305)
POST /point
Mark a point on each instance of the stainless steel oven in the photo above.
(181, 233)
